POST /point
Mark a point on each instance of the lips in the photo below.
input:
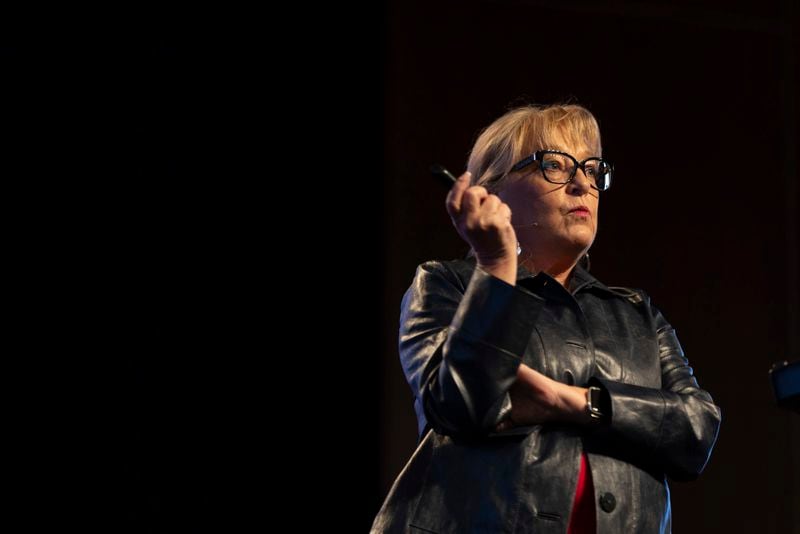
(583, 210)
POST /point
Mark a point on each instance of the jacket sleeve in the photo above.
(460, 347)
(676, 425)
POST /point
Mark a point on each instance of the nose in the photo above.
(580, 184)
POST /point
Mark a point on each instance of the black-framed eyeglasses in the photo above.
(560, 168)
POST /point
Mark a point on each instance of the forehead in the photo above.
(580, 149)
(580, 152)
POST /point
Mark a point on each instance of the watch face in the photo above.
(594, 402)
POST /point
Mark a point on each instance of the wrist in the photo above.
(572, 404)
(503, 268)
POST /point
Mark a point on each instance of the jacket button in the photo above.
(608, 502)
(569, 377)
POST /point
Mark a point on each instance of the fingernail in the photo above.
(466, 176)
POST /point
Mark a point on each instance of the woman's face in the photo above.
(558, 218)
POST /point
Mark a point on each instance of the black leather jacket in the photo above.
(462, 333)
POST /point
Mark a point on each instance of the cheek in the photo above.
(522, 200)
(528, 200)
(531, 213)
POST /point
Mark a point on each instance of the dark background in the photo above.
(697, 104)
(263, 200)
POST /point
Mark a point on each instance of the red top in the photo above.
(582, 520)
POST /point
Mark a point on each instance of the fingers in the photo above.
(472, 199)
(483, 220)
(454, 197)
(504, 211)
(463, 198)
(491, 203)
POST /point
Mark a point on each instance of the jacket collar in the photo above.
(580, 279)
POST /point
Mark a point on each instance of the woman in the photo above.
(546, 400)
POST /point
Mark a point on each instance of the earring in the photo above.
(519, 248)
(585, 262)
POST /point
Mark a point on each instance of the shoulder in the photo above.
(436, 279)
(642, 303)
(437, 284)
(457, 272)
(632, 295)
(629, 294)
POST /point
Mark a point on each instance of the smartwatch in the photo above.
(593, 402)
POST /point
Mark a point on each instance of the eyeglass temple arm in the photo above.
(525, 162)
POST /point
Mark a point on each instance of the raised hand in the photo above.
(484, 222)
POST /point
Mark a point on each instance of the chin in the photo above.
(582, 240)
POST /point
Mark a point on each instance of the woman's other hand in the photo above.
(484, 222)
(537, 399)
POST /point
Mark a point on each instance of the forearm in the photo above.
(676, 429)
(461, 351)
(537, 399)
(573, 405)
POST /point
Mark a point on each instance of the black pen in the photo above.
(443, 174)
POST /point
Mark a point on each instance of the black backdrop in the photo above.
(697, 102)
(263, 259)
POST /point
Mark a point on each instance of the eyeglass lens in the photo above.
(560, 168)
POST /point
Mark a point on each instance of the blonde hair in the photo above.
(524, 130)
